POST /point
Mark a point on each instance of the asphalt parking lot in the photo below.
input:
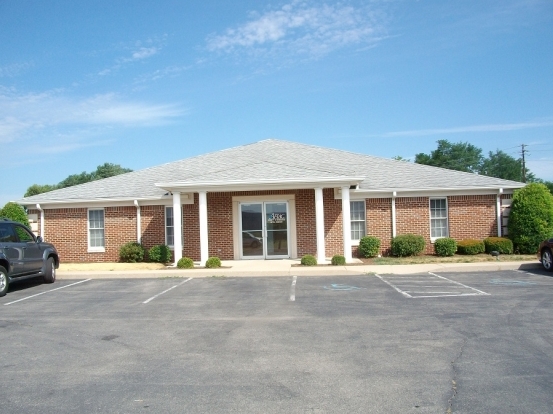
(425, 343)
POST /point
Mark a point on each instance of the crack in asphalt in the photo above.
(454, 378)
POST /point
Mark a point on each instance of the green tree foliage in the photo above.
(39, 189)
(531, 217)
(502, 165)
(14, 212)
(102, 171)
(461, 157)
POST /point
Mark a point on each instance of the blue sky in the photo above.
(140, 83)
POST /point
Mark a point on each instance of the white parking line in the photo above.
(293, 289)
(48, 291)
(165, 291)
(407, 295)
(411, 288)
(460, 284)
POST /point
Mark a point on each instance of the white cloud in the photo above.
(470, 128)
(65, 123)
(144, 52)
(15, 69)
(300, 28)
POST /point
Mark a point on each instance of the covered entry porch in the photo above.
(277, 221)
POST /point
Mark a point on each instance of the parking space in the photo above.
(281, 344)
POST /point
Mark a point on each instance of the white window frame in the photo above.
(355, 242)
(172, 246)
(96, 248)
(446, 218)
(166, 226)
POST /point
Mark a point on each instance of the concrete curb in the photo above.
(285, 268)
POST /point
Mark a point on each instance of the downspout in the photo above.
(394, 226)
(498, 212)
(138, 223)
(41, 220)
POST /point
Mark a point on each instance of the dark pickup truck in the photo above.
(23, 256)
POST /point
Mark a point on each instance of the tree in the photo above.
(39, 189)
(461, 156)
(105, 170)
(502, 165)
(109, 170)
(14, 212)
(531, 217)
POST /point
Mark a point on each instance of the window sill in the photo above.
(96, 250)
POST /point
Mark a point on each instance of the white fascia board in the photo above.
(257, 185)
(362, 194)
(108, 202)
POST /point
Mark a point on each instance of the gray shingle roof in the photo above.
(274, 159)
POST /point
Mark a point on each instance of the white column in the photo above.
(320, 225)
(138, 223)
(498, 211)
(177, 223)
(394, 222)
(346, 224)
(204, 244)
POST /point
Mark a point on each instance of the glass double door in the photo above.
(264, 230)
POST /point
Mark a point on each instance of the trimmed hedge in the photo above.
(213, 262)
(407, 245)
(445, 246)
(338, 260)
(502, 245)
(309, 260)
(159, 254)
(369, 246)
(185, 263)
(470, 246)
(131, 252)
(531, 217)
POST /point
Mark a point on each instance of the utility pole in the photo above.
(523, 164)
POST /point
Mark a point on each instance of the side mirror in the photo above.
(39, 239)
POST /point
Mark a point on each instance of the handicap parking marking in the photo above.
(423, 286)
(340, 287)
(48, 291)
(166, 290)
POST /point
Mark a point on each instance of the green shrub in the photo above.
(15, 212)
(407, 245)
(369, 246)
(338, 260)
(131, 252)
(502, 245)
(309, 260)
(213, 262)
(531, 218)
(445, 246)
(159, 254)
(185, 263)
(470, 246)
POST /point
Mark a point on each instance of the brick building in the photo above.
(271, 199)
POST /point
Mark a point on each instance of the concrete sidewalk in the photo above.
(250, 268)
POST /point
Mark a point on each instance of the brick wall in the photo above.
(469, 217)
(413, 217)
(379, 221)
(472, 217)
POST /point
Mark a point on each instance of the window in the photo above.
(438, 218)
(357, 216)
(169, 227)
(96, 241)
(24, 235)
